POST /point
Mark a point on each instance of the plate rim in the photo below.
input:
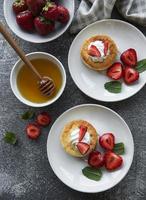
(99, 106)
(69, 55)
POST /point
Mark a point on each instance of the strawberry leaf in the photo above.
(10, 138)
(113, 86)
(141, 66)
(92, 173)
(119, 148)
(28, 115)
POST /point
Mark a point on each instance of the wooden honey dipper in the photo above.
(46, 84)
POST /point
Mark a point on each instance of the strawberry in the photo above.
(50, 11)
(83, 130)
(96, 159)
(115, 71)
(130, 75)
(105, 47)
(129, 57)
(35, 6)
(43, 26)
(43, 119)
(33, 130)
(19, 6)
(25, 20)
(63, 14)
(93, 51)
(107, 141)
(83, 147)
(112, 160)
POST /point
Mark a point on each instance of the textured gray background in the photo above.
(25, 172)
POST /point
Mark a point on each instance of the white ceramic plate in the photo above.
(35, 37)
(69, 169)
(91, 82)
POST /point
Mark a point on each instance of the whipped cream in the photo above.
(74, 137)
(100, 46)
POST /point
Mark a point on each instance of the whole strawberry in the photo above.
(50, 11)
(43, 26)
(63, 14)
(25, 20)
(19, 6)
(35, 6)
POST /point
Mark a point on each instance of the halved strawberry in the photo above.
(115, 71)
(107, 141)
(129, 57)
(96, 159)
(105, 47)
(112, 160)
(83, 147)
(130, 75)
(33, 130)
(83, 130)
(93, 51)
(43, 119)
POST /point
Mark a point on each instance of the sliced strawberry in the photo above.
(112, 160)
(93, 51)
(19, 6)
(115, 71)
(130, 75)
(129, 57)
(83, 130)
(105, 47)
(43, 119)
(96, 159)
(33, 130)
(107, 141)
(83, 147)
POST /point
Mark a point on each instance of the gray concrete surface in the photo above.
(25, 173)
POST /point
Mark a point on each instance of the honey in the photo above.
(28, 84)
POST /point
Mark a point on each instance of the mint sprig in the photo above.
(10, 138)
(113, 86)
(141, 66)
(28, 115)
(119, 148)
(92, 173)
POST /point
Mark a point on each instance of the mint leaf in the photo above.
(92, 173)
(119, 148)
(141, 66)
(28, 115)
(10, 138)
(113, 86)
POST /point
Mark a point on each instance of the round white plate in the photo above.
(35, 37)
(91, 82)
(69, 169)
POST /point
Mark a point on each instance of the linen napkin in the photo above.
(93, 10)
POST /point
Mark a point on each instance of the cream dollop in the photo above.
(100, 46)
(74, 137)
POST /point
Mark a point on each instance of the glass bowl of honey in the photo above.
(25, 85)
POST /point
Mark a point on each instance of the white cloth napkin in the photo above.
(93, 10)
